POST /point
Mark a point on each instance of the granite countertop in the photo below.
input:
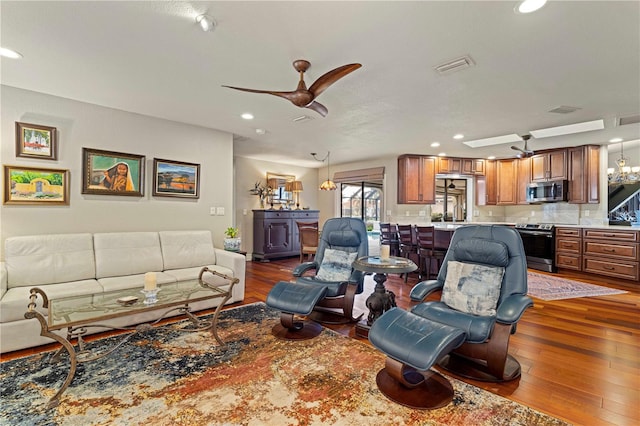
(453, 226)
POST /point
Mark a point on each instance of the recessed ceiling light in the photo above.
(614, 140)
(435, 144)
(8, 53)
(491, 157)
(247, 116)
(261, 131)
(458, 136)
(206, 22)
(528, 6)
(442, 154)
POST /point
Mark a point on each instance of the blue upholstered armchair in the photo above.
(484, 353)
(342, 241)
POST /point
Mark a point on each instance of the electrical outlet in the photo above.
(490, 213)
(422, 213)
(388, 212)
(212, 211)
(533, 213)
(220, 211)
(244, 212)
(586, 213)
(476, 213)
(406, 213)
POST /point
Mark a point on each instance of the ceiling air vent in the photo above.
(564, 109)
(631, 119)
(455, 65)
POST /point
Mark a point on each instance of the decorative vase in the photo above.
(261, 203)
(232, 244)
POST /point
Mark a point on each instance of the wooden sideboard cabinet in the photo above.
(614, 253)
(569, 248)
(275, 233)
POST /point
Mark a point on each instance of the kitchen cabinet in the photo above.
(416, 179)
(449, 165)
(486, 189)
(584, 174)
(473, 166)
(551, 165)
(614, 253)
(569, 248)
(275, 233)
(524, 178)
(506, 181)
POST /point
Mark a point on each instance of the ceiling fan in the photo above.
(303, 97)
(526, 152)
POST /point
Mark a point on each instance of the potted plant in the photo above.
(232, 241)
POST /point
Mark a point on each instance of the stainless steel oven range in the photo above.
(539, 245)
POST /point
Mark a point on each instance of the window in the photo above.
(361, 200)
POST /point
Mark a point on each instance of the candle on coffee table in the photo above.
(384, 251)
(150, 281)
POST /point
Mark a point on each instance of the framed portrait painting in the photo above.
(36, 141)
(112, 173)
(176, 179)
(35, 185)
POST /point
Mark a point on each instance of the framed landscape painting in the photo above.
(36, 141)
(176, 179)
(112, 173)
(34, 185)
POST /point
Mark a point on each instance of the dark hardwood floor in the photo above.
(580, 357)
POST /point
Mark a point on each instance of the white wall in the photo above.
(85, 125)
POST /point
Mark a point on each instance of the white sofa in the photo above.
(79, 264)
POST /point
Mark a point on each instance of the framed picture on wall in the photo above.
(36, 141)
(176, 179)
(35, 185)
(112, 173)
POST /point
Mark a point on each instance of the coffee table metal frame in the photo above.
(77, 318)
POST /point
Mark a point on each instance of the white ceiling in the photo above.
(152, 58)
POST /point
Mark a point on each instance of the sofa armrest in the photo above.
(232, 260)
(3, 279)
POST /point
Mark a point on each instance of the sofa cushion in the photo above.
(132, 281)
(49, 259)
(127, 253)
(186, 249)
(15, 301)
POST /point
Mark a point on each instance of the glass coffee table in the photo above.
(77, 313)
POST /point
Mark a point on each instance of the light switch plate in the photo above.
(212, 211)
(220, 211)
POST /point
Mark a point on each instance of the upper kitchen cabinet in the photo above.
(486, 186)
(524, 176)
(584, 176)
(507, 181)
(416, 179)
(473, 166)
(551, 165)
(449, 165)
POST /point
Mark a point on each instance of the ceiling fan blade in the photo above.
(326, 80)
(516, 148)
(319, 108)
(286, 95)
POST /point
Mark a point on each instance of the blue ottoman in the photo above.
(295, 298)
(412, 345)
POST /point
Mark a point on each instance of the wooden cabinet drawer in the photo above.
(625, 251)
(568, 261)
(570, 245)
(568, 232)
(626, 270)
(630, 236)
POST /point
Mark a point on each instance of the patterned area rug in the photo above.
(548, 287)
(169, 377)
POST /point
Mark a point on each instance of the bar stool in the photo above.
(408, 244)
(389, 237)
(425, 236)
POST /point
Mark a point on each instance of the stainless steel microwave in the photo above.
(547, 192)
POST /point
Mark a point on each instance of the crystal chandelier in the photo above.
(625, 173)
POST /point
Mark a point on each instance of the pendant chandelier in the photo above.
(625, 173)
(327, 185)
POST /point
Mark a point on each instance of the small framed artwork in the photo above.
(36, 141)
(34, 185)
(112, 173)
(176, 179)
